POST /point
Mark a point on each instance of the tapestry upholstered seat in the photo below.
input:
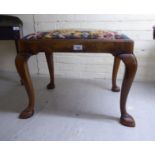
(83, 41)
(76, 34)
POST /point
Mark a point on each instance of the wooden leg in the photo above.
(16, 44)
(50, 63)
(22, 68)
(130, 71)
(115, 88)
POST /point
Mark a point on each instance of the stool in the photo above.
(83, 41)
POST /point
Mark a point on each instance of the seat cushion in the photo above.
(76, 34)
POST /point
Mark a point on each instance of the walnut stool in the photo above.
(83, 41)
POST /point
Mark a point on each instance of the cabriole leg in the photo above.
(22, 68)
(130, 71)
(116, 64)
(50, 63)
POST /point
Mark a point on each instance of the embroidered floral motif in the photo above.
(76, 34)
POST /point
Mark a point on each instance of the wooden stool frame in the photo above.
(122, 50)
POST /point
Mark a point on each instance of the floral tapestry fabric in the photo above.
(76, 34)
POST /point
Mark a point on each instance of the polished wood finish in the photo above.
(50, 63)
(22, 68)
(116, 64)
(120, 49)
(130, 71)
(114, 47)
